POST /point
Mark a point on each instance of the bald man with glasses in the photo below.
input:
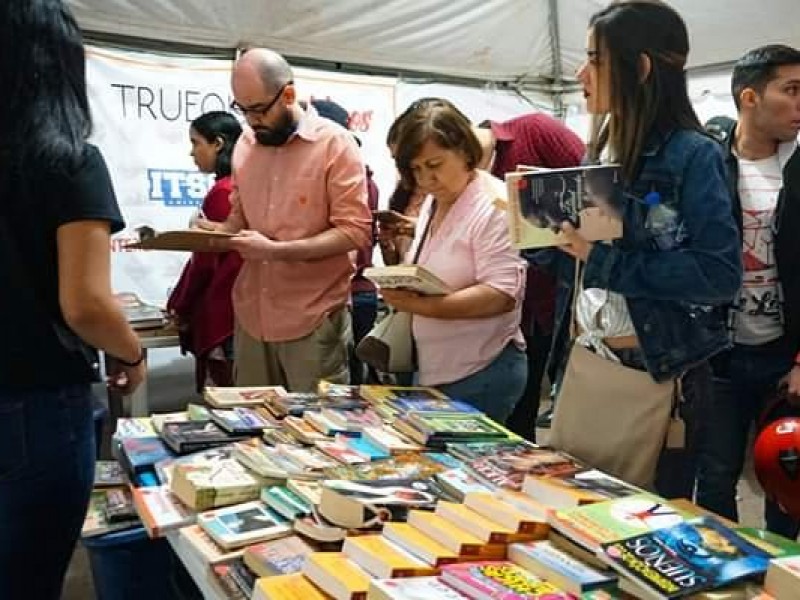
(299, 208)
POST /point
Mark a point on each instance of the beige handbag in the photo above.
(612, 417)
(389, 346)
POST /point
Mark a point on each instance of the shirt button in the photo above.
(647, 327)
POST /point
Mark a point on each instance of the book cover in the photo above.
(181, 240)
(206, 548)
(315, 527)
(341, 452)
(420, 545)
(245, 579)
(165, 468)
(285, 502)
(243, 524)
(456, 425)
(560, 568)
(287, 587)
(226, 397)
(119, 505)
(141, 453)
(435, 405)
(240, 419)
(389, 440)
(594, 524)
(405, 465)
(283, 556)
(407, 277)
(783, 578)
(590, 198)
(412, 588)
(310, 491)
(352, 420)
(378, 394)
(205, 486)
(459, 483)
(501, 580)
(303, 430)
(96, 520)
(775, 545)
(337, 576)
(362, 446)
(305, 458)
(158, 420)
(134, 427)
(380, 558)
(139, 314)
(108, 473)
(196, 435)
(160, 511)
(322, 423)
(357, 504)
(508, 467)
(689, 557)
(575, 489)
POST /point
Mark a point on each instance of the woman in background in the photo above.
(396, 233)
(651, 300)
(469, 343)
(57, 213)
(201, 300)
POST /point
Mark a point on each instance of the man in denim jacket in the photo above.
(764, 178)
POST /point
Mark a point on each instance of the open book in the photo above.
(409, 277)
(182, 240)
(540, 200)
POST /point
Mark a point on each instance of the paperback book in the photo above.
(590, 198)
(696, 555)
(227, 397)
(502, 580)
(243, 524)
(415, 278)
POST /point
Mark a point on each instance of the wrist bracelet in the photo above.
(135, 363)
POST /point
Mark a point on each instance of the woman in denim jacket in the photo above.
(655, 293)
(634, 83)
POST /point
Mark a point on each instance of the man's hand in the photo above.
(792, 382)
(253, 245)
(403, 300)
(124, 380)
(577, 245)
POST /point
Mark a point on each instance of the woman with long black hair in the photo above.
(57, 212)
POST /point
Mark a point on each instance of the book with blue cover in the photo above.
(140, 454)
(690, 557)
(433, 405)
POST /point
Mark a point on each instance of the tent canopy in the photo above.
(525, 43)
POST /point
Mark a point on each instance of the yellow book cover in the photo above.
(336, 575)
(533, 522)
(287, 587)
(412, 539)
(487, 530)
(452, 537)
(382, 559)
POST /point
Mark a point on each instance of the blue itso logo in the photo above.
(178, 188)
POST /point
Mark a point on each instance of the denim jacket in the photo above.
(675, 296)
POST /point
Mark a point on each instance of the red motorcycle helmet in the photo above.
(776, 457)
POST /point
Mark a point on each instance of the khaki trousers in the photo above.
(298, 365)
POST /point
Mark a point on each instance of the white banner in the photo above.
(142, 105)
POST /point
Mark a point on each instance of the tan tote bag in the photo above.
(612, 417)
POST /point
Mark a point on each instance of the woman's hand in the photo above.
(403, 300)
(577, 246)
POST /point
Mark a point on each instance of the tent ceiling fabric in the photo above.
(488, 40)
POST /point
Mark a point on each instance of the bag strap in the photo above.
(425, 232)
(573, 321)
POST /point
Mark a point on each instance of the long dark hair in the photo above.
(640, 106)
(45, 119)
(219, 124)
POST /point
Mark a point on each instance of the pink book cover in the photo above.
(500, 580)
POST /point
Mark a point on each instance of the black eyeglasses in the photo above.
(261, 109)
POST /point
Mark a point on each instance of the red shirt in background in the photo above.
(536, 140)
(202, 296)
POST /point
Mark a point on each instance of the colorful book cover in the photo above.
(501, 580)
(406, 465)
(196, 435)
(239, 419)
(362, 446)
(413, 588)
(341, 452)
(385, 393)
(690, 557)
(436, 405)
(288, 587)
(460, 483)
(284, 501)
(277, 557)
(553, 564)
(594, 524)
(243, 524)
(456, 425)
(134, 427)
(108, 473)
(223, 397)
(143, 452)
(775, 545)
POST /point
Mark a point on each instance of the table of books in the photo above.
(392, 493)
